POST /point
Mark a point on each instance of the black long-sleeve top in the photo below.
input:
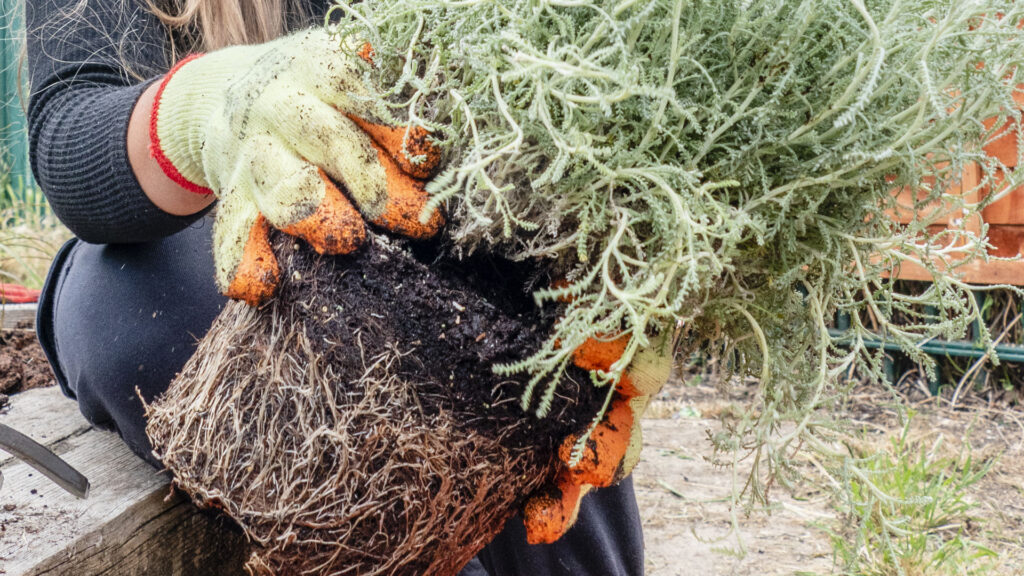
(89, 61)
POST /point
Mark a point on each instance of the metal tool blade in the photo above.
(42, 459)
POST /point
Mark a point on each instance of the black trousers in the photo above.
(116, 318)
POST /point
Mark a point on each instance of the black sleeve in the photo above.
(88, 64)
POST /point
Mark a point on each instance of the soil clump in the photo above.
(23, 365)
(354, 424)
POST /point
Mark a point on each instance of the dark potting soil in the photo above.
(23, 365)
(456, 319)
(366, 388)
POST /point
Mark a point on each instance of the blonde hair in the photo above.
(204, 25)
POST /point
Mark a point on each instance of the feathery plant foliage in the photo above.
(727, 167)
(906, 512)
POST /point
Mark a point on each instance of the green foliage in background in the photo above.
(726, 166)
(29, 233)
(906, 512)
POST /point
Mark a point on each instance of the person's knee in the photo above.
(126, 319)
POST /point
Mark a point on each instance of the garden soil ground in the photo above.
(683, 497)
(22, 363)
(684, 501)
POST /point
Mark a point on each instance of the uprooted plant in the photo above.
(727, 168)
(730, 167)
(353, 424)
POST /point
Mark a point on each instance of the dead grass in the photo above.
(30, 235)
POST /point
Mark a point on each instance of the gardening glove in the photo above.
(614, 446)
(269, 129)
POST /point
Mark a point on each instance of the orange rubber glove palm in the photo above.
(613, 448)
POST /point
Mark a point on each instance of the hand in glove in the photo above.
(269, 129)
(614, 446)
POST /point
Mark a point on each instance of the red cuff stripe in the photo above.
(156, 151)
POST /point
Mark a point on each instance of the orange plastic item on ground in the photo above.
(16, 294)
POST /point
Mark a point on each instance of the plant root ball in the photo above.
(353, 425)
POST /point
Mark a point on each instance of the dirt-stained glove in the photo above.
(269, 129)
(614, 446)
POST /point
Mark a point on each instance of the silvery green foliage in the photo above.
(723, 166)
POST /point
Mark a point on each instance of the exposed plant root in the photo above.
(345, 444)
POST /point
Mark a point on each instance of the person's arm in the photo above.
(89, 63)
(161, 190)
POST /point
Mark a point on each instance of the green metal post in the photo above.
(13, 136)
(1020, 307)
(936, 379)
(979, 300)
(842, 321)
(982, 373)
(889, 366)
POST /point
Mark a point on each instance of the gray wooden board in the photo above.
(13, 314)
(44, 415)
(129, 525)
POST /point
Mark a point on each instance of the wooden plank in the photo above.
(1004, 216)
(994, 272)
(972, 192)
(1005, 233)
(45, 415)
(129, 524)
(11, 315)
(1006, 210)
(1004, 145)
(1007, 241)
(157, 538)
(937, 213)
(126, 526)
(43, 519)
